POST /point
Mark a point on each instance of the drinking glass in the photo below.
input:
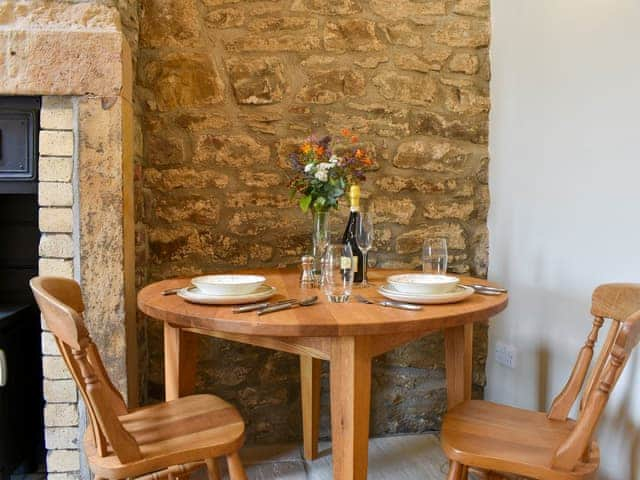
(337, 273)
(434, 256)
(364, 239)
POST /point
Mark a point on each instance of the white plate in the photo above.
(194, 295)
(423, 283)
(228, 284)
(457, 295)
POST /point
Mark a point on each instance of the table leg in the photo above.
(458, 345)
(180, 358)
(310, 394)
(350, 378)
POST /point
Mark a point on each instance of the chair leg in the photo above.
(213, 473)
(236, 470)
(464, 475)
(455, 471)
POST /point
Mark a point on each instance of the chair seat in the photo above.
(188, 429)
(496, 437)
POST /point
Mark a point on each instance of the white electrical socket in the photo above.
(506, 354)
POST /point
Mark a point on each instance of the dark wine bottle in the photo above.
(350, 233)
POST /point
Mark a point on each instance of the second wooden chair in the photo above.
(168, 440)
(492, 437)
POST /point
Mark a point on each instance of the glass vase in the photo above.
(321, 238)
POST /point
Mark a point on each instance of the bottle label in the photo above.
(355, 264)
(346, 263)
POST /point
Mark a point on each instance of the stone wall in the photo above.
(228, 87)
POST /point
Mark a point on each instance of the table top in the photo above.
(323, 319)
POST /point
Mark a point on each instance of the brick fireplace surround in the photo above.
(76, 57)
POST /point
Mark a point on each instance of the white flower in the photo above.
(325, 166)
(322, 175)
(308, 167)
(333, 160)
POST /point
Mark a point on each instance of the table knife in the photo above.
(492, 290)
(260, 305)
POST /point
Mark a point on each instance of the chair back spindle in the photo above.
(60, 302)
(620, 303)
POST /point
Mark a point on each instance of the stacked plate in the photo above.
(425, 289)
(227, 290)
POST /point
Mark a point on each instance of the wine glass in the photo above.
(434, 256)
(337, 273)
(364, 239)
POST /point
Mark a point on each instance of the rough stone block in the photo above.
(54, 194)
(60, 415)
(183, 80)
(61, 438)
(257, 82)
(183, 178)
(60, 391)
(353, 35)
(55, 267)
(411, 242)
(55, 169)
(56, 245)
(403, 33)
(463, 32)
(419, 12)
(413, 89)
(428, 60)
(202, 209)
(434, 154)
(329, 86)
(464, 63)
(63, 461)
(327, 7)
(476, 8)
(240, 151)
(282, 42)
(54, 368)
(438, 210)
(168, 23)
(393, 210)
(56, 143)
(56, 113)
(225, 18)
(55, 220)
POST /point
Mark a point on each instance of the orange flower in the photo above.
(359, 153)
(354, 139)
(367, 161)
(319, 150)
(305, 148)
(346, 132)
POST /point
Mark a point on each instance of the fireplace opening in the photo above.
(21, 395)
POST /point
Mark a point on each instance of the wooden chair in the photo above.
(492, 437)
(168, 440)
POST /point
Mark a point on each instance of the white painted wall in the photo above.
(565, 186)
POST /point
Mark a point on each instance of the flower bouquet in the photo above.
(324, 168)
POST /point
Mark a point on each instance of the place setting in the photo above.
(433, 286)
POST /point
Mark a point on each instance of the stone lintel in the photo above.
(46, 62)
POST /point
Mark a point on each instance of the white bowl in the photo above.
(228, 284)
(423, 283)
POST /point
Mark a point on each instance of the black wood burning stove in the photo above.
(21, 400)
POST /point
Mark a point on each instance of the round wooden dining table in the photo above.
(348, 335)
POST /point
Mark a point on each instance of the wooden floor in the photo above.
(411, 457)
